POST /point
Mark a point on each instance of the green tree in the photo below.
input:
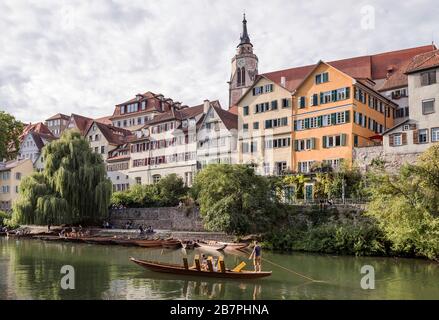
(406, 205)
(72, 188)
(234, 199)
(165, 193)
(10, 130)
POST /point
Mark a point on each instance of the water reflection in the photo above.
(30, 269)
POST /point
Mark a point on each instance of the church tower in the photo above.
(244, 67)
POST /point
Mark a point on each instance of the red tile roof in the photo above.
(234, 109)
(59, 116)
(82, 123)
(112, 134)
(36, 127)
(105, 120)
(372, 66)
(424, 61)
(229, 119)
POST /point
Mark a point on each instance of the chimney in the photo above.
(206, 105)
(283, 81)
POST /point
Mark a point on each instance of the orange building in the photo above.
(333, 113)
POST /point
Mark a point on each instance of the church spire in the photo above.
(245, 39)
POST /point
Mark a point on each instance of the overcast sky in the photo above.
(86, 56)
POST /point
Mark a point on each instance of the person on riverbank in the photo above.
(256, 255)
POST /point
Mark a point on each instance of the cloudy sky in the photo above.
(86, 56)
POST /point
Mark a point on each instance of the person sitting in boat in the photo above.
(141, 229)
(204, 262)
(257, 256)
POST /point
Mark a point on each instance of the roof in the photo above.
(39, 137)
(83, 123)
(371, 66)
(234, 109)
(112, 134)
(58, 116)
(397, 79)
(104, 120)
(424, 61)
(395, 127)
(229, 119)
(8, 165)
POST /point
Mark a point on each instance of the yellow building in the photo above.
(264, 125)
(11, 174)
(333, 113)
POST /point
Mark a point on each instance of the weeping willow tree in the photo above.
(72, 188)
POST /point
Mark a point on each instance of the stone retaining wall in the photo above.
(169, 218)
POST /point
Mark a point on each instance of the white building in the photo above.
(415, 135)
(167, 144)
(217, 136)
(31, 148)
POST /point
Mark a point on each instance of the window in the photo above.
(434, 134)
(428, 78)
(286, 103)
(16, 189)
(397, 140)
(305, 144)
(102, 149)
(122, 109)
(245, 127)
(322, 77)
(156, 178)
(423, 136)
(188, 178)
(245, 110)
(268, 88)
(258, 90)
(428, 106)
(18, 175)
(256, 125)
(302, 102)
(334, 141)
(96, 149)
(355, 141)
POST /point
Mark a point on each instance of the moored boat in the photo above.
(211, 245)
(236, 245)
(148, 243)
(188, 245)
(176, 269)
(171, 244)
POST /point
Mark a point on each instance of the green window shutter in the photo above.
(295, 125)
(334, 95)
(343, 139)
(319, 121)
(324, 143)
(315, 99)
(321, 98)
(307, 123)
(325, 77)
(348, 92)
(296, 145)
(333, 118)
(347, 115)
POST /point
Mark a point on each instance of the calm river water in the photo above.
(30, 269)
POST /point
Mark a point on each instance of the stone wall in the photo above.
(169, 218)
(364, 156)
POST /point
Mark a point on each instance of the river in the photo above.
(30, 269)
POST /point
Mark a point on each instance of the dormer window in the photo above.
(122, 109)
(185, 123)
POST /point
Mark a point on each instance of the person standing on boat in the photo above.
(257, 256)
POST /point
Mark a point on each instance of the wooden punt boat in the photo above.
(98, 240)
(125, 242)
(148, 243)
(236, 246)
(171, 244)
(211, 245)
(176, 269)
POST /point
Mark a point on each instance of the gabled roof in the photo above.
(40, 137)
(229, 119)
(58, 116)
(112, 134)
(104, 120)
(424, 61)
(82, 122)
(395, 127)
(397, 78)
(37, 127)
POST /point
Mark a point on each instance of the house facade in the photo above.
(217, 137)
(421, 130)
(11, 174)
(167, 144)
(57, 124)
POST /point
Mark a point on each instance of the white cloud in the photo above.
(86, 56)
